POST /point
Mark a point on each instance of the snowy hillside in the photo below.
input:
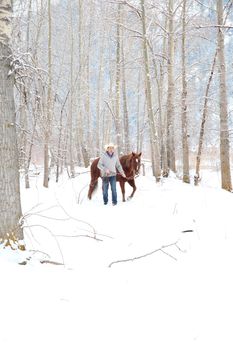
(172, 291)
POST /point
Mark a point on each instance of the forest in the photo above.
(145, 266)
(152, 77)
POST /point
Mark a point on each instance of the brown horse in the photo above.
(131, 165)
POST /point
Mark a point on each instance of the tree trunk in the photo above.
(164, 153)
(170, 94)
(155, 157)
(203, 121)
(139, 123)
(224, 132)
(100, 85)
(78, 121)
(11, 231)
(87, 144)
(49, 102)
(70, 115)
(185, 146)
(118, 80)
(127, 146)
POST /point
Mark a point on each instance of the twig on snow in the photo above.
(161, 249)
(74, 236)
(51, 262)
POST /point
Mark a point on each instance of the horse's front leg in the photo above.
(132, 184)
(122, 184)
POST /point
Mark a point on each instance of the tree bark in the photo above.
(155, 154)
(47, 135)
(127, 146)
(70, 115)
(203, 121)
(11, 231)
(185, 145)
(118, 80)
(170, 94)
(224, 132)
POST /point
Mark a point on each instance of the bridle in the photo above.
(134, 171)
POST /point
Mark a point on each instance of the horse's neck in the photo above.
(128, 169)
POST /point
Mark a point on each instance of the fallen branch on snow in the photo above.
(75, 236)
(161, 249)
(51, 262)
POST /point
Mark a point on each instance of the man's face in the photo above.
(110, 150)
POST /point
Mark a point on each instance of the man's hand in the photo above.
(107, 172)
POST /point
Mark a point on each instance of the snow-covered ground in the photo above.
(177, 297)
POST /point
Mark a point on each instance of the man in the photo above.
(109, 164)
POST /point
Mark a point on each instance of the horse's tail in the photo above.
(95, 173)
(92, 188)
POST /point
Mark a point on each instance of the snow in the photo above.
(179, 297)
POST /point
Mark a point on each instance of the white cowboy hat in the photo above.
(110, 144)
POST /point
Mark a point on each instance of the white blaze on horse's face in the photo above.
(137, 161)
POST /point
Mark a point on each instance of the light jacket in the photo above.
(111, 163)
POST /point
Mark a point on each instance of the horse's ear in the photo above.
(140, 154)
(133, 154)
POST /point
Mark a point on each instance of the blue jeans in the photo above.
(112, 181)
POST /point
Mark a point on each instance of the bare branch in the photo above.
(127, 28)
(161, 249)
(74, 236)
(213, 26)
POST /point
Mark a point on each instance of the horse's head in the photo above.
(136, 162)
